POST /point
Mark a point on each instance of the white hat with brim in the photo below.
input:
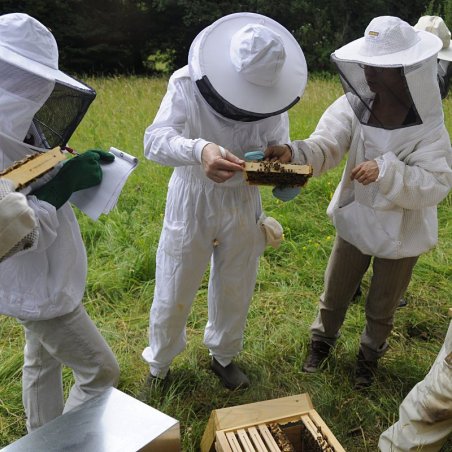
(437, 26)
(29, 45)
(446, 54)
(389, 41)
(210, 57)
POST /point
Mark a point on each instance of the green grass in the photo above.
(121, 252)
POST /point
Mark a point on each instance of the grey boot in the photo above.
(231, 376)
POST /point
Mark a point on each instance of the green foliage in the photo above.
(442, 8)
(119, 36)
(121, 251)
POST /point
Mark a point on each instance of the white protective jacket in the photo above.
(396, 216)
(184, 116)
(48, 279)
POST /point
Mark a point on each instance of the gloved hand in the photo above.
(286, 193)
(78, 173)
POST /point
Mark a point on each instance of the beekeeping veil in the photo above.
(38, 103)
(390, 79)
(247, 67)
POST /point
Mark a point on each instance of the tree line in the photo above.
(105, 37)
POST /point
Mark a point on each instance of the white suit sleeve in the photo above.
(423, 179)
(327, 145)
(425, 415)
(17, 221)
(280, 132)
(47, 222)
(41, 219)
(164, 142)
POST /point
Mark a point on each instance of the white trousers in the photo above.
(71, 340)
(204, 222)
(425, 415)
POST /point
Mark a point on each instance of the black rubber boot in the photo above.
(318, 353)
(357, 293)
(231, 376)
(365, 371)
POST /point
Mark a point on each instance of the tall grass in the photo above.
(121, 252)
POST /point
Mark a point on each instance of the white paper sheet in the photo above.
(102, 198)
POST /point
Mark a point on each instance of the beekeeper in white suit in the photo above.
(43, 285)
(390, 121)
(244, 71)
(425, 415)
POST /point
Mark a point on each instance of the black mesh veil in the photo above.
(57, 119)
(379, 96)
(227, 110)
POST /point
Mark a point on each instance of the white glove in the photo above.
(272, 229)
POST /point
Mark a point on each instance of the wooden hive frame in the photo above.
(25, 171)
(277, 174)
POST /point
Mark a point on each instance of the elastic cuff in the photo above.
(291, 152)
(223, 361)
(158, 373)
(298, 152)
(200, 144)
(383, 163)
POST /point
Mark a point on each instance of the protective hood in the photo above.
(38, 103)
(390, 79)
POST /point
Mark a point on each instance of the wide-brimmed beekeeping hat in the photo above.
(248, 66)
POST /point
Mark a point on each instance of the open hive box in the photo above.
(279, 174)
(289, 424)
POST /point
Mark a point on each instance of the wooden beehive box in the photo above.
(277, 174)
(288, 424)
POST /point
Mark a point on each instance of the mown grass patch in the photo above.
(121, 251)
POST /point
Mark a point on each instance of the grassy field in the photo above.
(121, 252)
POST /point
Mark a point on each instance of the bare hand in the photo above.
(220, 166)
(366, 172)
(282, 153)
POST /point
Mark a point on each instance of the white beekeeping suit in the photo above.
(425, 415)
(43, 285)
(244, 71)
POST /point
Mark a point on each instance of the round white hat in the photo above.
(390, 41)
(437, 26)
(251, 62)
(29, 45)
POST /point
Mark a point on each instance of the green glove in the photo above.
(78, 173)
(106, 157)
